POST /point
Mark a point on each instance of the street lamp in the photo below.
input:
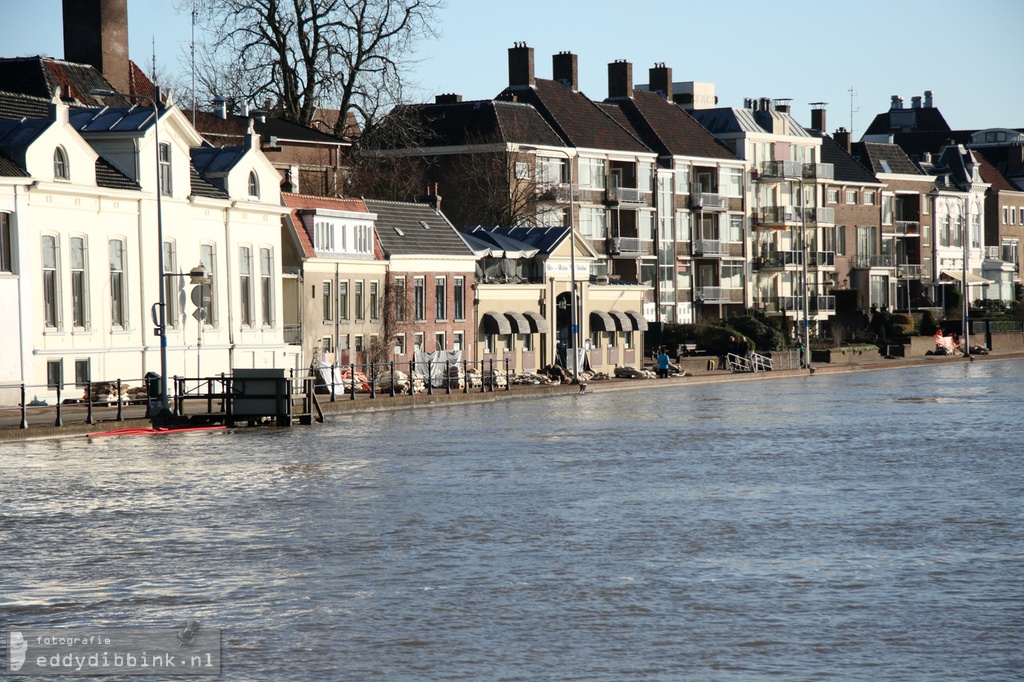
(806, 255)
(572, 262)
(161, 312)
(965, 304)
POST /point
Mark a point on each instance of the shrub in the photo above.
(928, 325)
(901, 324)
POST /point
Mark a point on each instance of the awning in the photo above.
(517, 322)
(622, 321)
(601, 321)
(972, 279)
(639, 321)
(481, 248)
(495, 323)
(538, 325)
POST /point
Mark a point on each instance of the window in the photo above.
(327, 344)
(732, 182)
(209, 260)
(683, 180)
(595, 339)
(1006, 215)
(888, 208)
(165, 169)
(328, 302)
(440, 297)
(489, 343)
(171, 284)
(522, 170)
(419, 295)
(60, 164)
(593, 223)
(732, 275)
(358, 296)
(439, 341)
(267, 286)
(627, 340)
(613, 339)
(592, 173)
(833, 196)
(459, 302)
(869, 198)
(459, 341)
(374, 300)
(735, 234)
(549, 171)
(51, 283)
(83, 373)
(399, 344)
(6, 264)
(323, 236)
(343, 300)
(79, 298)
(417, 342)
(254, 185)
(400, 301)
(245, 284)
(55, 374)
(840, 240)
(851, 196)
(508, 342)
(1013, 216)
(526, 342)
(358, 343)
(118, 291)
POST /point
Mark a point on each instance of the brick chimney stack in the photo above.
(659, 79)
(565, 68)
(96, 33)
(620, 79)
(520, 66)
(818, 116)
(842, 138)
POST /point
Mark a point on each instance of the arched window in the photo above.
(60, 164)
(254, 185)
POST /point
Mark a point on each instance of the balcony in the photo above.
(873, 261)
(715, 294)
(706, 201)
(993, 252)
(781, 304)
(908, 271)
(629, 247)
(776, 217)
(710, 247)
(822, 259)
(822, 304)
(779, 260)
(559, 193)
(820, 215)
(777, 171)
(818, 171)
(628, 196)
(906, 227)
(293, 334)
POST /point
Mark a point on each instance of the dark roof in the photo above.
(111, 178)
(668, 129)
(209, 160)
(16, 105)
(230, 130)
(991, 174)
(480, 122)
(999, 156)
(401, 230)
(846, 168)
(915, 118)
(880, 157)
(545, 239)
(9, 169)
(201, 187)
(40, 76)
(17, 135)
(127, 119)
(577, 120)
(917, 143)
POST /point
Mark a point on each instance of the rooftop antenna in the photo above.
(852, 110)
(192, 50)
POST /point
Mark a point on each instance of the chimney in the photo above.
(897, 103)
(620, 79)
(915, 102)
(565, 68)
(659, 79)
(782, 106)
(818, 116)
(222, 106)
(841, 137)
(520, 66)
(96, 33)
(432, 198)
(447, 98)
(928, 99)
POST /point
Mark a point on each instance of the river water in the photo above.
(862, 526)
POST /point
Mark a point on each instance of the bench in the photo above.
(685, 350)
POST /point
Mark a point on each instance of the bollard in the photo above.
(508, 378)
(491, 375)
(88, 398)
(448, 376)
(373, 381)
(24, 409)
(60, 419)
(411, 366)
(392, 378)
(430, 378)
(334, 370)
(352, 369)
(465, 377)
(120, 405)
(483, 384)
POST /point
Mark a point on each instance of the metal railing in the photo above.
(779, 260)
(629, 196)
(780, 170)
(99, 401)
(820, 215)
(822, 259)
(874, 261)
(293, 334)
(822, 304)
(818, 171)
(908, 271)
(710, 247)
(781, 216)
(907, 227)
(781, 304)
(707, 200)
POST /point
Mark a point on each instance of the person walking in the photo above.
(663, 362)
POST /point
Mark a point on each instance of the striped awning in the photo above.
(517, 322)
(622, 321)
(538, 325)
(495, 323)
(639, 321)
(972, 279)
(601, 321)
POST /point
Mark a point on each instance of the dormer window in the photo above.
(254, 185)
(60, 164)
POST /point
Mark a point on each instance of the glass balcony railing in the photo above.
(779, 260)
(293, 334)
(907, 227)
(908, 271)
(776, 217)
(710, 247)
(874, 261)
(818, 171)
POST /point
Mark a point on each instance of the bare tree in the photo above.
(305, 54)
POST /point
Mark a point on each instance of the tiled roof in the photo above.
(883, 158)
(917, 143)
(846, 168)
(111, 178)
(303, 202)
(668, 129)
(415, 229)
(921, 118)
(480, 122)
(576, 119)
(201, 187)
(230, 130)
(991, 174)
(16, 105)
(9, 169)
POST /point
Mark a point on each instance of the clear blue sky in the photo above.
(968, 54)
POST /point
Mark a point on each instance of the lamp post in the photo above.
(574, 342)
(161, 310)
(965, 304)
(806, 255)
